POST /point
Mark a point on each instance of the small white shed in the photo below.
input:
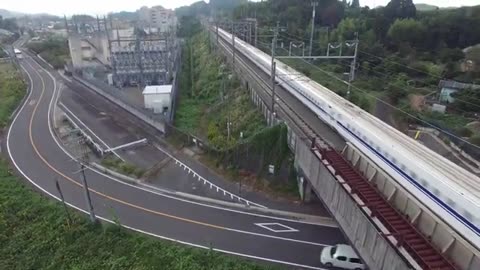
(157, 98)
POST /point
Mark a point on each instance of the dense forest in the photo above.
(397, 30)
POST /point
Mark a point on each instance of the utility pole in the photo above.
(93, 219)
(228, 127)
(66, 23)
(256, 29)
(192, 70)
(250, 32)
(233, 44)
(274, 70)
(69, 219)
(88, 200)
(209, 42)
(314, 5)
(353, 66)
(216, 31)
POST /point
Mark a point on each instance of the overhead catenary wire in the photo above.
(392, 106)
(389, 75)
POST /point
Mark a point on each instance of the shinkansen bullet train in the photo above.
(445, 188)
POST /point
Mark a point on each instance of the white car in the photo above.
(342, 256)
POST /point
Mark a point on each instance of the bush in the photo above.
(475, 140)
(464, 132)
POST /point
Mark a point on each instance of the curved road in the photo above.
(40, 158)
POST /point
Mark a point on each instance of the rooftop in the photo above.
(157, 89)
(457, 85)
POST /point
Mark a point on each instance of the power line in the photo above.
(400, 64)
(398, 87)
(396, 77)
(392, 106)
(386, 75)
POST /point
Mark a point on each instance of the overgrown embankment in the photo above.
(215, 107)
(12, 89)
(53, 50)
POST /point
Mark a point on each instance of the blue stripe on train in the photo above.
(415, 183)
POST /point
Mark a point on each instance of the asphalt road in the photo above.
(40, 158)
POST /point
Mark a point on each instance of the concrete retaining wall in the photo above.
(462, 253)
(372, 246)
(160, 126)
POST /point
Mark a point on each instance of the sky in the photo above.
(101, 7)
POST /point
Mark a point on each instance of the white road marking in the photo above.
(205, 181)
(273, 227)
(32, 102)
(91, 131)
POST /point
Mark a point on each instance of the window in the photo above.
(342, 258)
(332, 251)
(355, 260)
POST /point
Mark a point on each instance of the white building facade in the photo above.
(158, 17)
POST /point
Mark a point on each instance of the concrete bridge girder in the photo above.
(450, 243)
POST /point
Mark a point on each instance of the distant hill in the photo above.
(425, 7)
(10, 14)
(202, 8)
(125, 15)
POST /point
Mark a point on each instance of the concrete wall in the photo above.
(158, 125)
(462, 253)
(371, 245)
(85, 48)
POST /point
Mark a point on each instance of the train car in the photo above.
(446, 189)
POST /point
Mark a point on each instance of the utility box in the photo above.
(158, 98)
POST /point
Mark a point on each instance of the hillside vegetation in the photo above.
(12, 89)
(403, 53)
(211, 98)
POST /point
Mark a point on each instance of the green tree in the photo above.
(407, 31)
(402, 9)
(355, 4)
(451, 55)
(467, 100)
(475, 140)
(347, 27)
(398, 88)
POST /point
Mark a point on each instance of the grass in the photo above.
(201, 111)
(12, 89)
(120, 166)
(34, 234)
